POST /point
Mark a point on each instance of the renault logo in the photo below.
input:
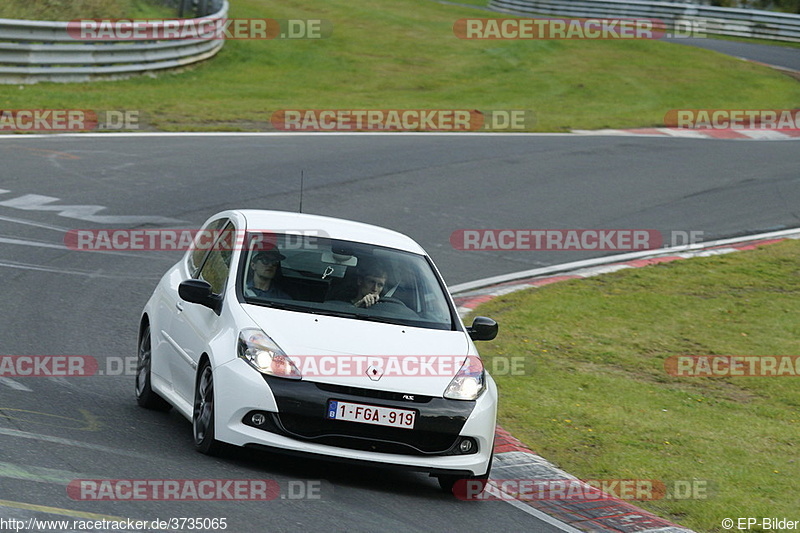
(374, 373)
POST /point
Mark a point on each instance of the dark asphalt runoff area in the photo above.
(776, 55)
(62, 302)
(773, 53)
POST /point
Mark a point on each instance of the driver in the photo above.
(370, 282)
(266, 272)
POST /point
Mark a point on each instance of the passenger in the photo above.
(265, 267)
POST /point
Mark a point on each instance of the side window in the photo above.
(203, 242)
(217, 265)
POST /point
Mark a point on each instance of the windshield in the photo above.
(343, 278)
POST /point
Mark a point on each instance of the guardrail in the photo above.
(709, 19)
(200, 8)
(32, 51)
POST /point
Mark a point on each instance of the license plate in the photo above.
(371, 414)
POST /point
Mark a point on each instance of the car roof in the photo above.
(335, 228)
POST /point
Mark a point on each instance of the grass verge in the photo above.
(599, 403)
(83, 9)
(402, 54)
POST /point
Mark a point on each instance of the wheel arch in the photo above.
(143, 323)
(204, 358)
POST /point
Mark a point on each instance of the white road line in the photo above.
(69, 442)
(573, 133)
(61, 270)
(39, 474)
(42, 244)
(279, 134)
(87, 213)
(612, 133)
(8, 382)
(32, 223)
(793, 233)
(38, 244)
(562, 526)
(771, 135)
(684, 133)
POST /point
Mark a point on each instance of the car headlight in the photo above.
(470, 381)
(261, 352)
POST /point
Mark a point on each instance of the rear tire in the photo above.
(145, 396)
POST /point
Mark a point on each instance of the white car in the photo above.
(313, 335)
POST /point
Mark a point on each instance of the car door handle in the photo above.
(179, 305)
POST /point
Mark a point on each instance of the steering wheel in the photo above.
(390, 300)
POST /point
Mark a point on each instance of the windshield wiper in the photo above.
(328, 312)
(385, 320)
(286, 306)
(359, 316)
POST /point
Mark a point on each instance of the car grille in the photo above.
(303, 406)
(369, 393)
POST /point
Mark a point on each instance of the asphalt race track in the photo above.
(775, 55)
(63, 302)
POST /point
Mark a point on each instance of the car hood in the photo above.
(364, 354)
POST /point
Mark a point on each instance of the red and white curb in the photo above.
(741, 134)
(514, 460)
(468, 295)
(722, 133)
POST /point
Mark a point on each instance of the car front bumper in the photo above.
(295, 422)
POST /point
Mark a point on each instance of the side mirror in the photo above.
(482, 329)
(197, 291)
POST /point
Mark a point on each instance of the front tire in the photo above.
(203, 413)
(145, 396)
